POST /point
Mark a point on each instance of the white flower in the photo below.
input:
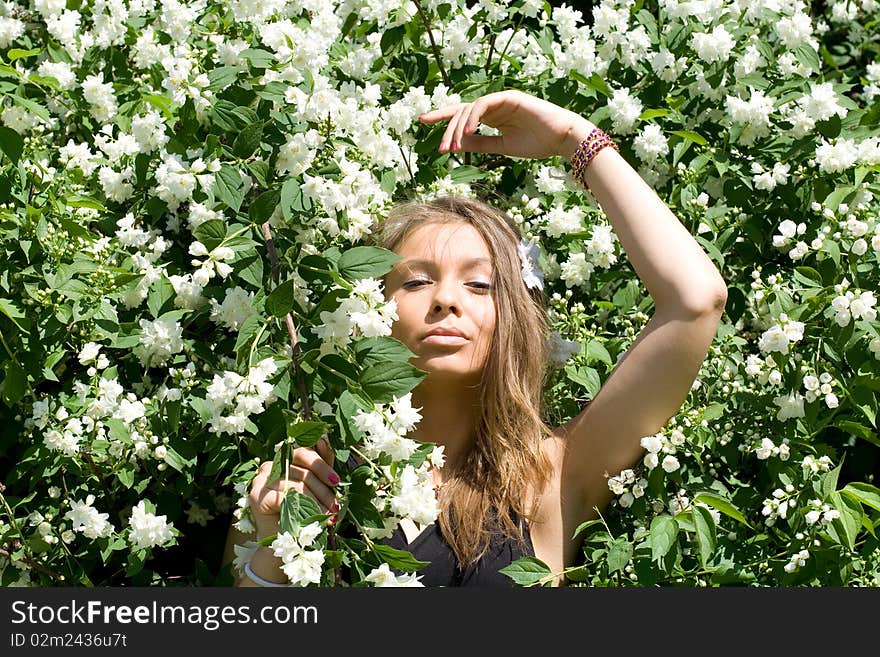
(790, 406)
(86, 519)
(158, 341)
(670, 463)
(383, 576)
(653, 443)
(89, 352)
(236, 308)
(531, 271)
(148, 529)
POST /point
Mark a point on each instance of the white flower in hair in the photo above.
(531, 270)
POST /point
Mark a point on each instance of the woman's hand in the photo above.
(311, 473)
(530, 127)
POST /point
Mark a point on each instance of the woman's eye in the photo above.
(482, 286)
(409, 284)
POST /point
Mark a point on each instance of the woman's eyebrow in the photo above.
(471, 262)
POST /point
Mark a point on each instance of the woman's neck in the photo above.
(449, 418)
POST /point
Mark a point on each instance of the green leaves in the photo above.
(248, 140)
(280, 301)
(11, 143)
(664, 532)
(298, 510)
(399, 559)
(705, 528)
(619, 554)
(366, 262)
(526, 571)
(229, 187)
(384, 381)
(724, 506)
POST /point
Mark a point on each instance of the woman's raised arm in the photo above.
(652, 380)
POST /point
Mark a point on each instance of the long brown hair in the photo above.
(507, 458)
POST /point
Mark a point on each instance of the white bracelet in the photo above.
(256, 579)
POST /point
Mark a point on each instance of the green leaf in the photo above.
(229, 187)
(297, 510)
(126, 477)
(845, 528)
(384, 381)
(160, 294)
(248, 266)
(585, 376)
(858, 430)
(16, 314)
(366, 262)
(33, 108)
(280, 300)
(293, 201)
(264, 205)
(690, 136)
(808, 57)
(595, 351)
(211, 233)
(222, 77)
(381, 349)
(619, 554)
(258, 58)
(18, 53)
(705, 530)
(248, 140)
(829, 480)
(306, 434)
(726, 507)
(15, 385)
(11, 143)
(399, 559)
(176, 461)
(585, 525)
(664, 532)
(526, 571)
(864, 493)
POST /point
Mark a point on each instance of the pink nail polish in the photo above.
(333, 478)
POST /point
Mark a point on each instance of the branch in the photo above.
(300, 380)
(434, 49)
(32, 564)
(288, 321)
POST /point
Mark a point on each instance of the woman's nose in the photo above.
(445, 297)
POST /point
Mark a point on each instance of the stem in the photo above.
(291, 327)
(491, 50)
(434, 49)
(33, 565)
(298, 375)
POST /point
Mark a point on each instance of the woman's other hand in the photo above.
(530, 127)
(310, 473)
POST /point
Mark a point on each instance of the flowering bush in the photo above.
(185, 190)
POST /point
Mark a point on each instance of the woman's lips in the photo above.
(447, 340)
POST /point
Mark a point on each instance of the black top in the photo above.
(443, 569)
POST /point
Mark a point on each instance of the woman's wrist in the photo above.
(579, 130)
(266, 565)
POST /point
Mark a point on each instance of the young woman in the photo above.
(512, 486)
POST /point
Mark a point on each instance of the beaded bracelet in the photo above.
(588, 149)
(256, 579)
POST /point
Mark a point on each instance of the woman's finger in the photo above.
(325, 450)
(440, 114)
(448, 141)
(320, 492)
(462, 125)
(311, 460)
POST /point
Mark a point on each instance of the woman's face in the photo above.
(444, 281)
